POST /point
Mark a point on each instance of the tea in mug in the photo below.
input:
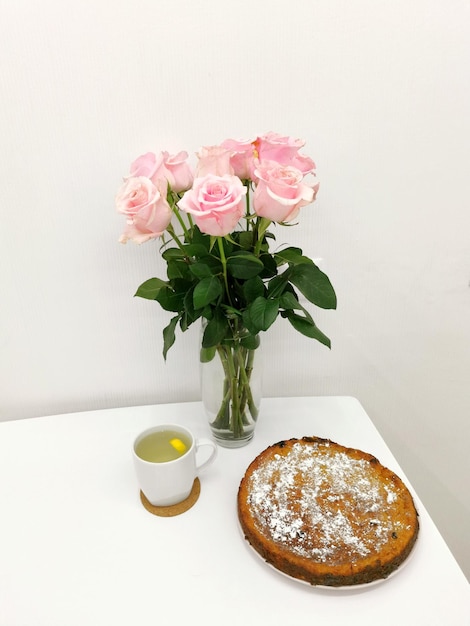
(163, 446)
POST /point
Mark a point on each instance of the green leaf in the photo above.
(263, 312)
(150, 288)
(289, 301)
(207, 291)
(207, 266)
(245, 239)
(251, 342)
(247, 322)
(176, 268)
(288, 255)
(292, 256)
(314, 284)
(207, 354)
(172, 253)
(185, 321)
(189, 314)
(172, 299)
(307, 328)
(269, 266)
(189, 304)
(253, 288)
(200, 270)
(169, 300)
(169, 335)
(244, 265)
(196, 250)
(216, 330)
(212, 239)
(278, 284)
(262, 225)
(198, 239)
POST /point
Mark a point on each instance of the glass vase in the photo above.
(231, 387)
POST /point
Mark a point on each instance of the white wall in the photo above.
(380, 91)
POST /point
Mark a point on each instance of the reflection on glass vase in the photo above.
(231, 386)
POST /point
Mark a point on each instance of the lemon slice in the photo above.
(178, 445)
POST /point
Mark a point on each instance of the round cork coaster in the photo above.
(174, 509)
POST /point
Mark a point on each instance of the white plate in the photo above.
(328, 587)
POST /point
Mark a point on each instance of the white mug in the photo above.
(169, 482)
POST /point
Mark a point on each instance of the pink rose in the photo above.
(145, 165)
(216, 203)
(280, 192)
(242, 157)
(213, 160)
(181, 175)
(173, 169)
(145, 206)
(284, 150)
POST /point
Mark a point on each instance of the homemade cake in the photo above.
(326, 514)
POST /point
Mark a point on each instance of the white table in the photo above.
(78, 548)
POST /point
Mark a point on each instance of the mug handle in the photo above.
(213, 454)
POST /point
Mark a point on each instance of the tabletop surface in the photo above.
(78, 548)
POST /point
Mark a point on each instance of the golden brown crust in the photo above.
(326, 514)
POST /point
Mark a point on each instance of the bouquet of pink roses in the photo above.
(214, 223)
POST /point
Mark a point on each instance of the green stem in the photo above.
(245, 376)
(224, 268)
(181, 221)
(237, 364)
(222, 419)
(176, 239)
(262, 225)
(236, 420)
(247, 202)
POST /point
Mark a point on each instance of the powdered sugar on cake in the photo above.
(317, 516)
